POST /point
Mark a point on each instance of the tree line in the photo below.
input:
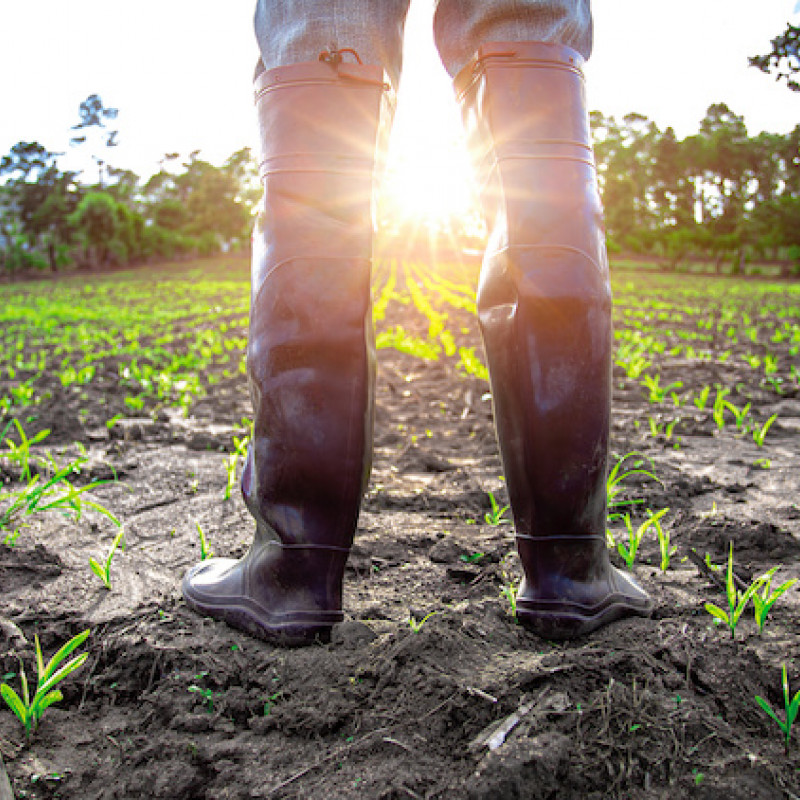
(720, 194)
(50, 219)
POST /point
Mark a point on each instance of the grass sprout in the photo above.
(55, 493)
(737, 600)
(619, 473)
(791, 707)
(765, 597)
(29, 709)
(205, 550)
(496, 516)
(103, 571)
(760, 433)
(416, 624)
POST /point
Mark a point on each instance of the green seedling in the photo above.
(21, 453)
(628, 551)
(54, 494)
(702, 399)
(496, 516)
(658, 393)
(416, 624)
(103, 571)
(791, 707)
(29, 710)
(765, 597)
(205, 550)
(472, 558)
(719, 407)
(232, 462)
(206, 694)
(760, 433)
(510, 589)
(763, 463)
(618, 474)
(737, 600)
(739, 414)
(664, 545)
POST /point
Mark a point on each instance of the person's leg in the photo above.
(292, 31)
(544, 306)
(311, 352)
(461, 26)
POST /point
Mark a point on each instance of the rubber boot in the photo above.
(544, 306)
(310, 355)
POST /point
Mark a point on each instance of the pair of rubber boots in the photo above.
(544, 307)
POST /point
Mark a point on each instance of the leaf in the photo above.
(73, 644)
(717, 612)
(62, 673)
(14, 703)
(99, 570)
(768, 708)
(41, 703)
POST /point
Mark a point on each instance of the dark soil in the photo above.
(470, 706)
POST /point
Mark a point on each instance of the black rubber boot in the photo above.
(544, 305)
(310, 357)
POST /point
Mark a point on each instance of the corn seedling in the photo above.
(719, 407)
(618, 474)
(628, 551)
(737, 600)
(496, 516)
(205, 550)
(701, 399)
(739, 414)
(765, 597)
(664, 545)
(54, 494)
(29, 710)
(232, 461)
(21, 453)
(509, 589)
(657, 393)
(760, 433)
(791, 707)
(103, 571)
(416, 624)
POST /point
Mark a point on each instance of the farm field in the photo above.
(124, 407)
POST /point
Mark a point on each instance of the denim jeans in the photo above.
(290, 31)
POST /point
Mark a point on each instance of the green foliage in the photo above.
(496, 516)
(205, 550)
(29, 710)
(620, 472)
(48, 490)
(766, 597)
(103, 571)
(416, 624)
(760, 432)
(791, 707)
(737, 600)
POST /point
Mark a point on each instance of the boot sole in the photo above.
(559, 620)
(297, 629)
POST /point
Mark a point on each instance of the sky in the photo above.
(179, 71)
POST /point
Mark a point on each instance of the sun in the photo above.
(427, 182)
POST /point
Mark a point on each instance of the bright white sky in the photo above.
(180, 73)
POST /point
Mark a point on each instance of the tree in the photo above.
(39, 199)
(93, 115)
(783, 59)
(96, 220)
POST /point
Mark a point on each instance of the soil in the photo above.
(172, 705)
